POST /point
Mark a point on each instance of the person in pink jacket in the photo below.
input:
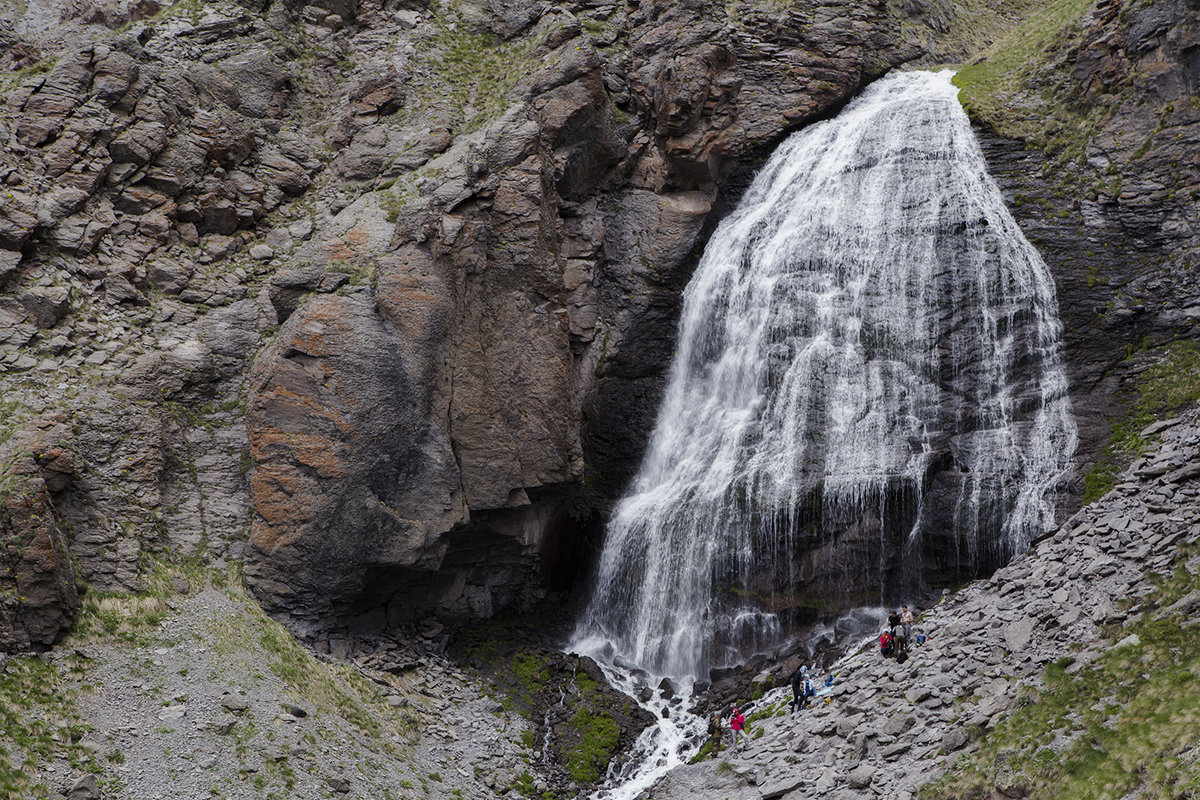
(737, 723)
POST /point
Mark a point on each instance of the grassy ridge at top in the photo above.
(1014, 86)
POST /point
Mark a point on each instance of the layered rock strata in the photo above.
(496, 209)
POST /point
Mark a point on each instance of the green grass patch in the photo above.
(132, 616)
(1126, 724)
(523, 785)
(1171, 382)
(994, 86)
(599, 737)
(706, 751)
(360, 274)
(39, 67)
(40, 724)
(477, 72)
(333, 688)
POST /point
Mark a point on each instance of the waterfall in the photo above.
(867, 390)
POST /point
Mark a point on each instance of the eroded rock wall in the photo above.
(387, 291)
(1118, 225)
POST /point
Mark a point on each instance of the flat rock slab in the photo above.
(1017, 634)
(781, 787)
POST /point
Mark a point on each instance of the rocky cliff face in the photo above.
(527, 292)
(387, 291)
(364, 285)
(376, 297)
(1096, 149)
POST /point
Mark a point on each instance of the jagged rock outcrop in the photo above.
(38, 597)
(505, 202)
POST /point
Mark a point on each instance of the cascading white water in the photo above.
(868, 350)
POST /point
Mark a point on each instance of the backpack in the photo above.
(902, 657)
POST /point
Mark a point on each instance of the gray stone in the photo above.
(846, 725)
(46, 305)
(919, 694)
(234, 704)
(955, 739)
(301, 229)
(861, 776)
(86, 788)
(169, 276)
(1017, 634)
(172, 713)
(780, 787)
(1132, 640)
(897, 724)
(8, 264)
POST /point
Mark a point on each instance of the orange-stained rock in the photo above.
(38, 598)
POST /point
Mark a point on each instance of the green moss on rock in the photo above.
(1124, 725)
(995, 86)
(1170, 382)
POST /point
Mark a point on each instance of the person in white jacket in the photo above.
(906, 620)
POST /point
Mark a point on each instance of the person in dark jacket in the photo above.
(798, 678)
(807, 691)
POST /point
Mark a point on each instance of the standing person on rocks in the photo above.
(893, 622)
(807, 690)
(906, 619)
(798, 679)
(737, 724)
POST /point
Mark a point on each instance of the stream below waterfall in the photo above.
(867, 398)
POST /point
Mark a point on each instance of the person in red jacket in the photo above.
(737, 723)
(885, 644)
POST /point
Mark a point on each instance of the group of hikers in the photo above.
(893, 642)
